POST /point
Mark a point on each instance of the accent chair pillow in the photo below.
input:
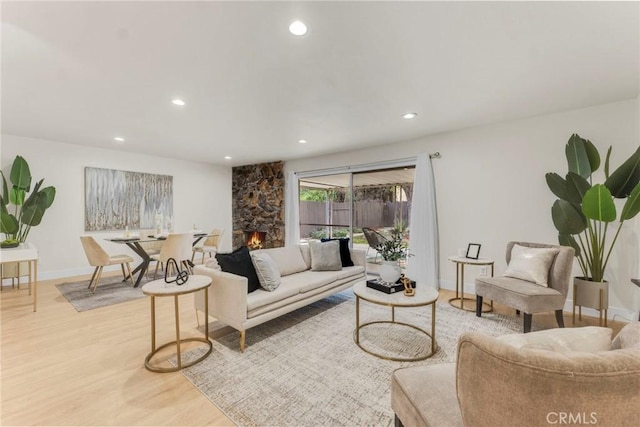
(345, 254)
(589, 339)
(531, 264)
(325, 256)
(267, 270)
(239, 262)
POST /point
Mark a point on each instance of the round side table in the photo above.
(159, 288)
(424, 296)
(460, 264)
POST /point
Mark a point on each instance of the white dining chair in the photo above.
(99, 258)
(178, 247)
(210, 245)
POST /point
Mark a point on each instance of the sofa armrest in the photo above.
(358, 256)
(227, 297)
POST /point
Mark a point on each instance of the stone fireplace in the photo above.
(258, 204)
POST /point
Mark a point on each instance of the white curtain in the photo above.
(423, 233)
(292, 211)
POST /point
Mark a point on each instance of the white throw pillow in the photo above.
(531, 264)
(325, 256)
(267, 271)
(288, 259)
(561, 340)
(212, 263)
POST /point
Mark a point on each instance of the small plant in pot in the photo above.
(584, 210)
(19, 210)
(392, 251)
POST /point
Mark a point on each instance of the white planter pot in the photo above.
(587, 293)
(390, 271)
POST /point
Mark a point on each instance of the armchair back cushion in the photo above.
(497, 382)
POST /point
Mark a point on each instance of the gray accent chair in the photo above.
(527, 297)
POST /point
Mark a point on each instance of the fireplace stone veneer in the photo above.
(258, 203)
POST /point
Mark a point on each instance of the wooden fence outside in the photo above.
(367, 213)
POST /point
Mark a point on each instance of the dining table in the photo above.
(134, 243)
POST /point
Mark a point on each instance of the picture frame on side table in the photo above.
(473, 251)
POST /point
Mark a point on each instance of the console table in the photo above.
(26, 252)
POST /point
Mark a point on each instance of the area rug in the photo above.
(110, 290)
(304, 369)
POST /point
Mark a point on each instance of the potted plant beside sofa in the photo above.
(585, 210)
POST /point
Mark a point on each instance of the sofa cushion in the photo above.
(261, 297)
(267, 270)
(325, 256)
(345, 253)
(288, 259)
(589, 339)
(531, 264)
(239, 262)
(350, 271)
(309, 280)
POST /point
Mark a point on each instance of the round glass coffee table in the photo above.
(423, 296)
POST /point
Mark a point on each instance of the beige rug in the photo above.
(303, 369)
(110, 290)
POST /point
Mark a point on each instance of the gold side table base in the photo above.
(486, 308)
(147, 360)
(434, 346)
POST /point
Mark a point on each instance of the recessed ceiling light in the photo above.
(118, 139)
(227, 157)
(302, 141)
(179, 102)
(297, 28)
(409, 115)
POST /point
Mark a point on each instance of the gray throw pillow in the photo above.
(267, 271)
(325, 256)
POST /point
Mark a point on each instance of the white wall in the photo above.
(201, 194)
(491, 188)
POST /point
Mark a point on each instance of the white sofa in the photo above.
(230, 303)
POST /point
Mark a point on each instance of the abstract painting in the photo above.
(117, 199)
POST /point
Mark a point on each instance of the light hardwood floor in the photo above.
(61, 367)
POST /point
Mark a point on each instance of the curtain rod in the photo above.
(435, 155)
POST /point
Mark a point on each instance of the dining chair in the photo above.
(99, 258)
(210, 245)
(178, 247)
(152, 247)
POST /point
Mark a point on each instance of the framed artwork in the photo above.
(473, 250)
(115, 199)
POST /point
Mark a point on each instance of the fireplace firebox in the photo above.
(255, 239)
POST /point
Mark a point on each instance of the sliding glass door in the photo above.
(340, 205)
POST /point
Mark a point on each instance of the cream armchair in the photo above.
(528, 297)
(536, 379)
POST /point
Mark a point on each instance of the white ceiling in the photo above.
(85, 72)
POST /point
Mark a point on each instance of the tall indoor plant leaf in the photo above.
(584, 209)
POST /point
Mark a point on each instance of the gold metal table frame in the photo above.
(393, 305)
(175, 292)
(460, 264)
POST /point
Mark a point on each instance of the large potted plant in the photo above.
(584, 211)
(28, 209)
(392, 251)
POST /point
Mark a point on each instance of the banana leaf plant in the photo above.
(19, 210)
(584, 209)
